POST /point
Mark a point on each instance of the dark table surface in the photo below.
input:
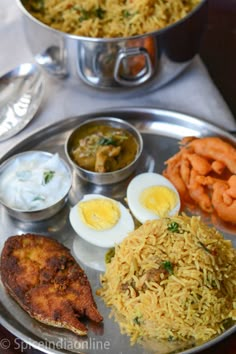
(218, 49)
(218, 52)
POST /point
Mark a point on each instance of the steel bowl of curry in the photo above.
(104, 150)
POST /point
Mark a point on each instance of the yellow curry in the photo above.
(102, 148)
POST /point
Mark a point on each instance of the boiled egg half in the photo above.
(152, 196)
(100, 220)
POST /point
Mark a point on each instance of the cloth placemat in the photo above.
(192, 92)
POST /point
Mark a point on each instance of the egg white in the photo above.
(102, 238)
(136, 187)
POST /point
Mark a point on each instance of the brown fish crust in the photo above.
(47, 282)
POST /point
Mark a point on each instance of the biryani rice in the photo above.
(109, 18)
(191, 299)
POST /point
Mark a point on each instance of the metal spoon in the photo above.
(21, 92)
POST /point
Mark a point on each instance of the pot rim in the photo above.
(112, 39)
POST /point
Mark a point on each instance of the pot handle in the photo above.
(136, 79)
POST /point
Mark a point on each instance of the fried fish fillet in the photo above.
(44, 278)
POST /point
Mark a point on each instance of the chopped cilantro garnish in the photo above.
(173, 227)
(167, 265)
(85, 15)
(48, 176)
(136, 320)
(126, 13)
(170, 338)
(99, 12)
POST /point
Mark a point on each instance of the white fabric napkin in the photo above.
(192, 92)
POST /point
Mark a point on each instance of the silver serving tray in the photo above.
(161, 131)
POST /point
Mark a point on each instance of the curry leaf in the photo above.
(204, 247)
(106, 141)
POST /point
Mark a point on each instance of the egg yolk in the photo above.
(159, 199)
(99, 214)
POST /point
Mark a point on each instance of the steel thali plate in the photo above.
(161, 131)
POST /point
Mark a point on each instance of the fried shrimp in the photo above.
(204, 173)
(198, 163)
(198, 193)
(214, 148)
(223, 203)
(175, 173)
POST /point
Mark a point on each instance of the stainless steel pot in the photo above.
(118, 62)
